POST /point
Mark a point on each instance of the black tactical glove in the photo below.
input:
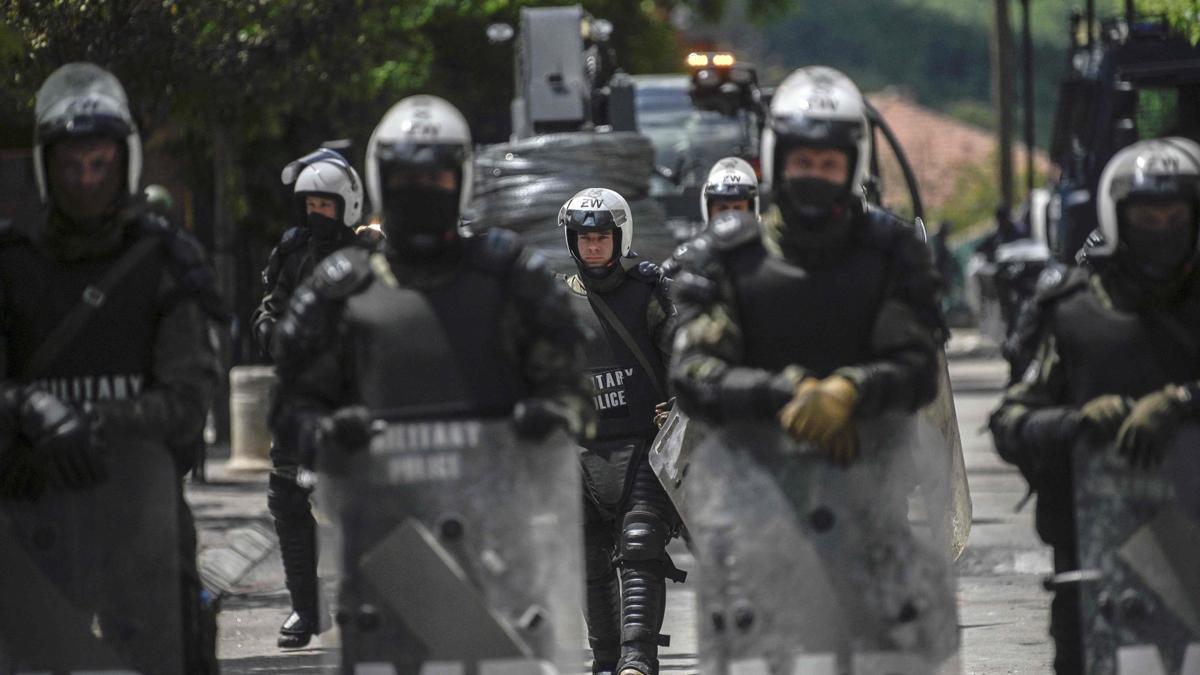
(1103, 415)
(534, 418)
(347, 429)
(1143, 437)
(62, 438)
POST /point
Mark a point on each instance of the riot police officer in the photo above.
(328, 202)
(628, 517)
(329, 197)
(108, 368)
(731, 186)
(821, 319)
(1117, 356)
(435, 322)
(822, 252)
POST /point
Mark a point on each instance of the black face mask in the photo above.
(812, 201)
(322, 226)
(420, 218)
(1159, 254)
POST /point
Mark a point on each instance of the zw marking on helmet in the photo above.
(733, 178)
(423, 129)
(591, 203)
(821, 103)
(84, 105)
(1160, 163)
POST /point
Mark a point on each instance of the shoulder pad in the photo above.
(1058, 282)
(882, 227)
(342, 274)
(367, 237)
(292, 239)
(646, 272)
(494, 251)
(730, 233)
(187, 262)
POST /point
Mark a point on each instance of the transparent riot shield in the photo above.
(460, 550)
(1139, 555)
(90, 579)
(809, 567)
(941, 503)
(945, 496)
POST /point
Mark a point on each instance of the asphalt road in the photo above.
(1003, 610)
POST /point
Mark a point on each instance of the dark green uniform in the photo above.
(1097, 335)
(761, 311)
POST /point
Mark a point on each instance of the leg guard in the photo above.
(289, 506)
(603, 590)
(645, 565)
(199, 609)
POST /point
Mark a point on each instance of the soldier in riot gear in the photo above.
(858, 259)
(628, 517)
(108, 365)
(822, 318)
(434, 323)
(731, 185)
(329, 201)
(1116, 356)
(328, 204)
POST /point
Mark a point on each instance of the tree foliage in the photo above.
(279, 76)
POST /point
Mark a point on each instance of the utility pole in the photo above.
(1027, 94)
(1002, 96)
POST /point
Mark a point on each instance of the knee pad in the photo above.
(285, 499)
(644, 536)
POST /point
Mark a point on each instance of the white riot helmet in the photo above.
(1159, 170)
(816, 107)
(419, 134)
(731, 178)
(597, 210)
(327, 174)
(83, 99)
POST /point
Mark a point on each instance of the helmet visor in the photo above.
(579, 219)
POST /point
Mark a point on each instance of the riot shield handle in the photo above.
(1054, 582)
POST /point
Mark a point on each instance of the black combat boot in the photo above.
(643, 601)
(603, 623)
(297, 532)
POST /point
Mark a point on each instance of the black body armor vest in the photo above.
(623, 393)
(819, 316)
(434, 352)
(112, 356)
(1108, 351)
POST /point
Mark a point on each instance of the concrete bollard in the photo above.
(250, 390)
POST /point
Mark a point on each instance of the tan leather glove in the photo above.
(819, 413)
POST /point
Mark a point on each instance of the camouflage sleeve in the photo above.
(184, 376)
(708, 348)
(902, 374)
(1034, 425)
(545, 338)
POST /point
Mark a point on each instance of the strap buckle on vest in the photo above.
(93, 296)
